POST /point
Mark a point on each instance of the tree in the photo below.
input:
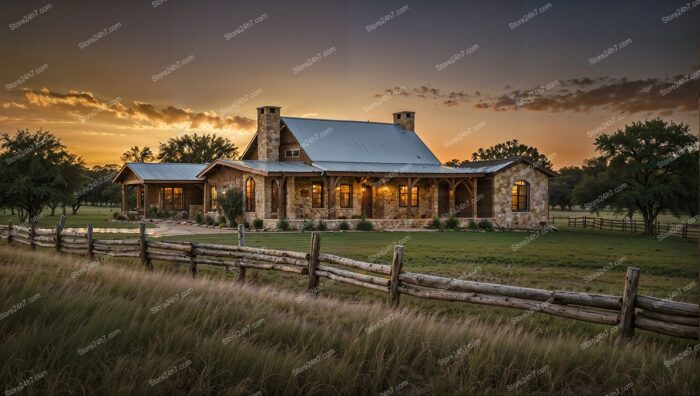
(231, 205)
(510, 149)
(651, 167)
(198, 149)
(562, 185)
(99, 189)
(135, 154)
(30, 175)
(454, 163)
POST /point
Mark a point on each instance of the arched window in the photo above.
(250, 195)
(520, 196)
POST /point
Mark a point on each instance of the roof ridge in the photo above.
(330, 119)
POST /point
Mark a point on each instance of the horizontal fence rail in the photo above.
(628, 311)
(681, 230)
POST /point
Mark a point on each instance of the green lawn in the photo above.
(99, 217)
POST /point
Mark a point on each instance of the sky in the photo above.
(104, 76)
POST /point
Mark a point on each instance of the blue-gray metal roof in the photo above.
(171, 172)
(373, 167)
(274, 166)
(357, 141)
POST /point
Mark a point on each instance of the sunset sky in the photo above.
(475, 73)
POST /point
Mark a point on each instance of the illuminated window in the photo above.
(172, 198)
(346, 196)
(250, 195)
(275, 194)
(293, 153)
(520, 196)
(403, 196)
(317, 195)
(214, 194)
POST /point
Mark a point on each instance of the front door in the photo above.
(367, 202)
(462, 207)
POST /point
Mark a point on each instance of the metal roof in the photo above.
(373, 167)
(160, 171)
(492, 166)
(359, 142)
(273, 166)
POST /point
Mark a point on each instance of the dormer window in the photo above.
(293, 153)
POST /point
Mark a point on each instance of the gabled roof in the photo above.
(493, 166)
(162, 171)
(359, 142)
(265, 167)
(391, 169)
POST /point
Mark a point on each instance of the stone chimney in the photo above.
(406, 120)
(269, 133)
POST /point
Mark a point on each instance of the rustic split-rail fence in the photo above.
(682, 230)
(627, 311)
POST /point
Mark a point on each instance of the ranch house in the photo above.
(308, 169)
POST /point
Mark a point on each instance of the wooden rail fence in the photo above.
(628, 311)
(682, 230)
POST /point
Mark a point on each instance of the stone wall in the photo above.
(539, 197)
(386, 201)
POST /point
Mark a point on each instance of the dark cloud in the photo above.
(78, 103)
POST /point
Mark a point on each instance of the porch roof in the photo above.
(265, 167)
(162, 172)
(389, 169)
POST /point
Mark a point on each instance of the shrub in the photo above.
(452, 223)
(364, 225)
(221, 219)
(258, 224)
(344, 226)
(322, 226)
(307, 225)
(121, 217)
(231, 204)
(153, 212)
(210, 220)
(472, 225)
(246, 224)
(435, 224)
(283, 225)
(130, 216)
(198, 218)
(115, 215)
(486, 225)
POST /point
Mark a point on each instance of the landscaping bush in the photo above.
(130, 216)
(322, 226)
(486, 225)
(344, 226)
(115, 215)
(472, 225)
(452, 223)
(231, 204)
(153, 212)
(283, 225)
(246, 224)
(121, 217)
(258, 224)
(210, 220)
(364, 225)
(435, 224)
(221, 219)
(307, 225)
(198, 218)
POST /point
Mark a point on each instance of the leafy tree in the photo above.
(510, 149)
(72, 175)
(231, 205)
(454, 162)
(136, 154)
(651, 167)
(30, 175)
(99, 189)
(562, 185)
(196, 149)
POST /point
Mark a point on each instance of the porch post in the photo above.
(145, 200)
(280, 197)
(474, 211)
(452, 197)
(409, 199)
(124, 198)
(207, 197)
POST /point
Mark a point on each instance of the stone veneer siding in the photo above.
(539, 197)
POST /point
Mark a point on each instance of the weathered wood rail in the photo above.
(628, 311)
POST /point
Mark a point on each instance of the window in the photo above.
(293, 153)
(346, 196)
(250, 195)
(172, 198)
(520, 196)
(213, 193)
(275, 194)
(403, 196)
(317, 195)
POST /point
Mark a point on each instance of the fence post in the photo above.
(628, 304)
(241, 242)
(585, 221)
(32, 235)
(396, 266)
(9, 232)
(90, 243)
(193, 263)
(314, 251)
(144, 247)
(59, 229)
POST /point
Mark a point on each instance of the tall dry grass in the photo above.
(107, 329)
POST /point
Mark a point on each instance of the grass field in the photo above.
(99, 217)
(115, 329)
